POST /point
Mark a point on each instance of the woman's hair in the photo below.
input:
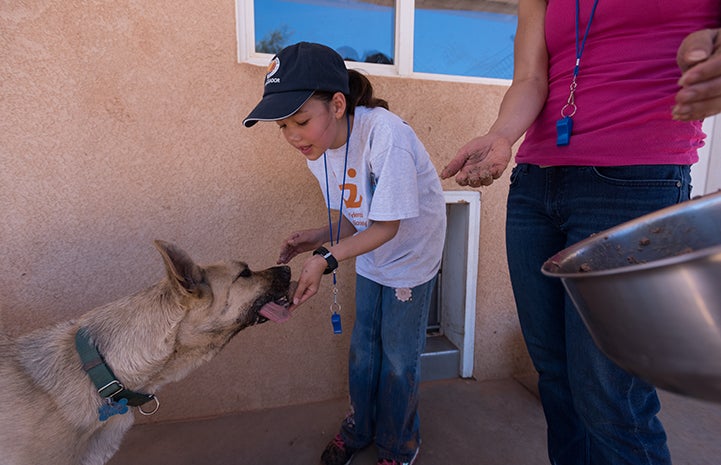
(361, 93)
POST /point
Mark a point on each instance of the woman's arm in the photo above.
(484, 158)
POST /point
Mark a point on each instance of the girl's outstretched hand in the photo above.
(309, 281)
(299, 242)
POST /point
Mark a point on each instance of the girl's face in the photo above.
(317, 126)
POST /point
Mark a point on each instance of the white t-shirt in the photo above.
(389, 177)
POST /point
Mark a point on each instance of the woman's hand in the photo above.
(480, 161)
(699, 57)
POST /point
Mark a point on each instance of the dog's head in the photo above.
(222, 299)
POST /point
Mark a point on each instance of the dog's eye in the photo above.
(245, 273)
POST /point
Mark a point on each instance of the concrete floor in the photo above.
(464, 422)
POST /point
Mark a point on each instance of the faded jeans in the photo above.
(384, 368)
(597, 413)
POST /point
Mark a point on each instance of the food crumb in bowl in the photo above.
(685, 251)
(644, 241)
(585, 268)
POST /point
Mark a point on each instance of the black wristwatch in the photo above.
(329, 258)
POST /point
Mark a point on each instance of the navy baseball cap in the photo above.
(293, 75)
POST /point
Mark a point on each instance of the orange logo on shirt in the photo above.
(353, 200)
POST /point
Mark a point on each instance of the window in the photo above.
(445, 39)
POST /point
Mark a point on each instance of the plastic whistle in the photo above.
(335, 321)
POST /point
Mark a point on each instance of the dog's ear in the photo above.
(181, 269)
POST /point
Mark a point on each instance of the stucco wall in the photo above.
(121, 124)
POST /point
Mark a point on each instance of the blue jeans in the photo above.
(384, 368)
(596, 412)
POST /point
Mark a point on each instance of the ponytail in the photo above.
(361, 93)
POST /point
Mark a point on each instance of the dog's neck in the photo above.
(131, 358)
(109, 387)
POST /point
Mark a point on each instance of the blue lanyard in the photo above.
(335, 318)
(564, 126)
(342, 189)
(579, 50)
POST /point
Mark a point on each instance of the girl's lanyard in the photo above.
(335, 306)
(564, 126)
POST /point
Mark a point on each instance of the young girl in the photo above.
(392, 220)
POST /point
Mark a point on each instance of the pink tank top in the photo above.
(626, 83)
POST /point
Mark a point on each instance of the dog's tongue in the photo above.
(275, 312)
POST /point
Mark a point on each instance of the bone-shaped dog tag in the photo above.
(110, 408)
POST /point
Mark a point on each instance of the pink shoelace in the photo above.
(338, 442)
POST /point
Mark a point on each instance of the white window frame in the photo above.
(706, 174)
(403, 58)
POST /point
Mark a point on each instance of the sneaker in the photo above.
(337, 452)
(396, 462)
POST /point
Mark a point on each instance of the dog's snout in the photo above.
(282, 273)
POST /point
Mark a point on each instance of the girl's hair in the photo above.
(361, 93)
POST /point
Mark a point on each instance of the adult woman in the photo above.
(593, 91)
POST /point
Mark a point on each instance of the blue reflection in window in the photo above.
(359, 31)
(464, 43)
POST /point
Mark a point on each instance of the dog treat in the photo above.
(275, 312)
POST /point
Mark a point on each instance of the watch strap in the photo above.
(329, 258)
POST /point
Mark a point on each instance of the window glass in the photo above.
(358, 30)
(465, 38)
(453, 37)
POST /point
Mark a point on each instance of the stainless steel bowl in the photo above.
(649, 292)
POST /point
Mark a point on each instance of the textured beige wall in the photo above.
(121, 124)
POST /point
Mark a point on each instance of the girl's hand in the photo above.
(299, 242)
(309, 281)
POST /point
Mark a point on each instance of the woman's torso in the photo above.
(626, 82)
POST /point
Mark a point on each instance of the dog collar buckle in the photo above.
(113, 387)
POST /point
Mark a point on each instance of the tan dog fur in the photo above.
(48, 404)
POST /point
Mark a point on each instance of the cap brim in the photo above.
(277, 106)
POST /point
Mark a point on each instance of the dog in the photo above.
(64, 390)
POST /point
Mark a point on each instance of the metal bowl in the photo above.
(649, 292)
